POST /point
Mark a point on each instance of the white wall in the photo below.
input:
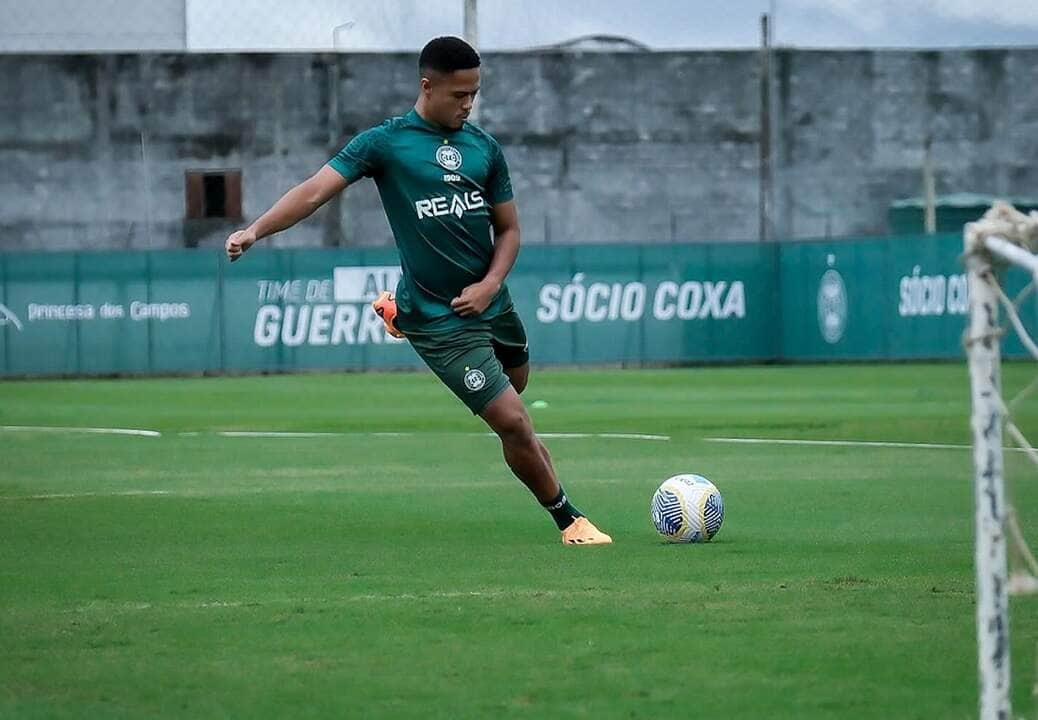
(55, 26)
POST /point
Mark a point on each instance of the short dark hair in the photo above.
(447, 54)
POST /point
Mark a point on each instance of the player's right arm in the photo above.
(298, 203)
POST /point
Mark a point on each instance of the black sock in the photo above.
(562, 510)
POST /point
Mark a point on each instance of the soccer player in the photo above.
(444, 186)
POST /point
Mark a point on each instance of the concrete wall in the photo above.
(603, 147)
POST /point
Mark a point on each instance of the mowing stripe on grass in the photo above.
(273, 434)
(586, 436)
(633, 436)
(68, 496)
(846, 443)
(341, 600)
(605, 436)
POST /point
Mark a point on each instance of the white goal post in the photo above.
(1003, 236)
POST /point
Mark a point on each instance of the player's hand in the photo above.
(238, 243)
(476, 298)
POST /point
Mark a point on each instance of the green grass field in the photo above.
(360, 575)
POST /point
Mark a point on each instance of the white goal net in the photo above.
(1004, 564)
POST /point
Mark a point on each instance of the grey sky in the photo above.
(513, 24)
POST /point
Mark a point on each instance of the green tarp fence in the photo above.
(189, 311)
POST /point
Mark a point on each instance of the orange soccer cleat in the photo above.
(582, 532)
(385, 308)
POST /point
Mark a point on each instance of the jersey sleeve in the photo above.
(362, 156)
(499, 183)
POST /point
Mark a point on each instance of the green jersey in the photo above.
(437, 188)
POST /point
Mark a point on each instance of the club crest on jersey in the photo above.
(449, 157)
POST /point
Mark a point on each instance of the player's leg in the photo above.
(509, 419)
(523, 451)
(529, 460)
(467, 362)
(519, 377)
(511, 348)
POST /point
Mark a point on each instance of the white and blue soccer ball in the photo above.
(687, 509)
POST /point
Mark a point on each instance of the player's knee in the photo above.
(515, 428)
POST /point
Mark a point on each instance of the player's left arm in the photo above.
(477, 297)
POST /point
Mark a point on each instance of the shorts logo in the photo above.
(449, 157)
(475, 380)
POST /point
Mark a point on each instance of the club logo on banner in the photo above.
(832, 304)
(9, 318)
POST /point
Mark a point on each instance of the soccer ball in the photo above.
(687, 509)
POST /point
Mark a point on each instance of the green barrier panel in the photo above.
(898, 298)
(112, 284)
(309, 309)
(648, 303)
(283, 310)
(35, 341)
